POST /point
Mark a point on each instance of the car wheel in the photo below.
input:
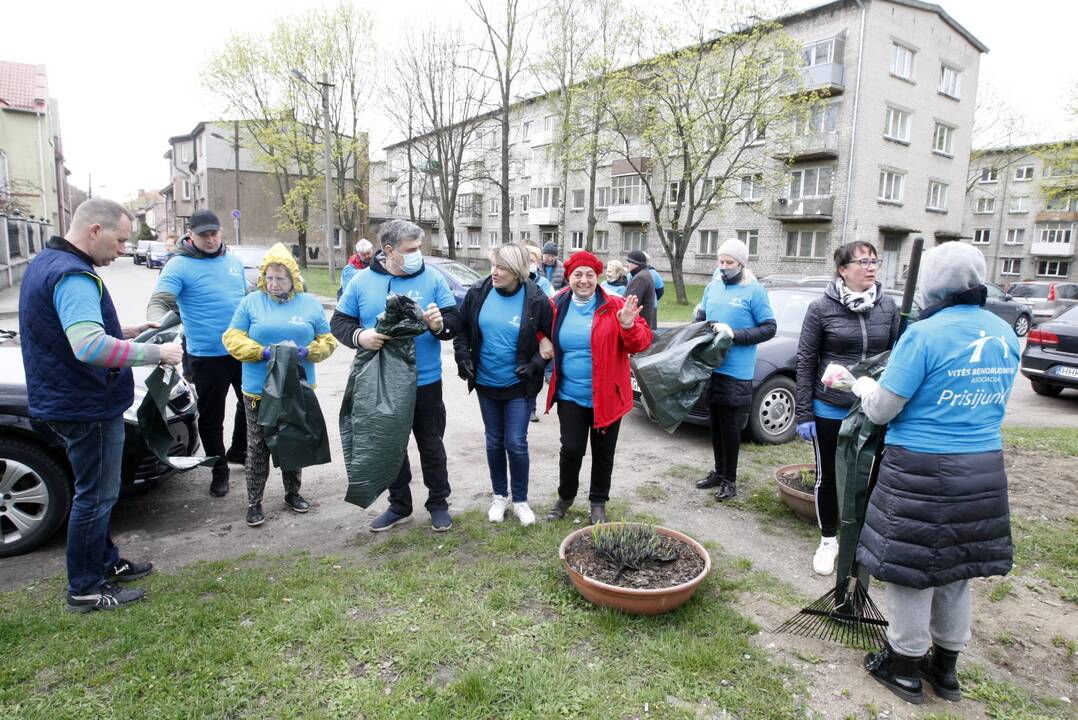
(35, 496)
(1021, 325)
(771, 420)
(1042, 388)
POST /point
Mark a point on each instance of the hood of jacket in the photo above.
(280, 255)
(187, 248)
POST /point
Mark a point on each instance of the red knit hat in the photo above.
(585, 258)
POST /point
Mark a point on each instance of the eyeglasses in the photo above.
(867, 263)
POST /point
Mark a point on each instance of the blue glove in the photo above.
(807, 430)
(266, 352)
(303, 352)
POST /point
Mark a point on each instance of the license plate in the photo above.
(636, 386)
(1060, 370)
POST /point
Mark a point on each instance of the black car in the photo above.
(36, 481)
(1050, 359)
(459, 276)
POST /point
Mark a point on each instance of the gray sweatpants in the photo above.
(919, 618)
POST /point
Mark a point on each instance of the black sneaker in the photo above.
(727, 491)
(296, 502)
(126, 571)
(440, 521)
(713, 479)
(558, 511)
(254, 515)
(236, 457)
(106, 597)
(219, 485)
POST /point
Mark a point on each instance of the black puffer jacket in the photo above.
(538, 317)
(935, 519)
(831, 333)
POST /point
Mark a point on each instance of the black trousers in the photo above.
(213, 377)
(575, 422)
(826, 444)
(428, 428)
(727, 422)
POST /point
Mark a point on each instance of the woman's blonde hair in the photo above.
(617, 267)
(535, 252)
(512, 257)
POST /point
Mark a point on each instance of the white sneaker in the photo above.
(823, 562)
(523, 513)
(497, 509)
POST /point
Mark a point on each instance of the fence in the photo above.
(20, 240)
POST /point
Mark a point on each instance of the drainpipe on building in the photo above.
(41, 164)
(997, 247)
(853, 132)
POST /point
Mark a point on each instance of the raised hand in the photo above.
(629, 312)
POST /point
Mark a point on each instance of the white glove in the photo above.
(722, 329)
(837, 377)
(864, 386)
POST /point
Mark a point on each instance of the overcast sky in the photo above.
(127, 77)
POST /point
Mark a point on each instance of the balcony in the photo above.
(390, 175)
(469, 217)
(629, 214)
(544, 215)
(818, 146)
(541, 137)
(1055, 216)
(828, 78)
(803, 209)
(1052, 249)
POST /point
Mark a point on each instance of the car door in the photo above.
(1006, 309)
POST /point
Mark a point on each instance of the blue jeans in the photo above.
(506, 426)
(95, 450)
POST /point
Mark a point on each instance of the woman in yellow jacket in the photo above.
(278, 312)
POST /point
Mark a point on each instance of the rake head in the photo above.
(846, 616)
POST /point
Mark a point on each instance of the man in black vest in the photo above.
(78, 379)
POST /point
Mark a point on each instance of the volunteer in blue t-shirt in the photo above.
(278, 312)
(399, 268)
(205, 283)
(503, 319)
(939, 514)
(736, 305)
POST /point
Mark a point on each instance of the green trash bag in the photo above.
(291, 419)
(153, 420)
(675, 371)
(379, 402)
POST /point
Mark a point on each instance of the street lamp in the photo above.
(235, 143)
(323, 87)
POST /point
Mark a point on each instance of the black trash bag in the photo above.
(153, 420)
(675, 371)
(291, 419)
(379, 403)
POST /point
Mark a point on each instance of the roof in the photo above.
(1028, 149)
(23, 87)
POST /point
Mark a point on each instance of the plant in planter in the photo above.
(797, 484)
(636, 568)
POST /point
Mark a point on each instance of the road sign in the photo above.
(235, 214)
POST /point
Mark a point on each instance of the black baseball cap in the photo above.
(204, 221)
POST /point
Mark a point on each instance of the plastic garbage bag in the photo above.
(675, 371)
(153, 420)
(379, 402)
(291, 419)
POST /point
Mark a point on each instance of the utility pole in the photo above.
(236, 150)
(324, 87)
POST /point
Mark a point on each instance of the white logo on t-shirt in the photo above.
(515, 322)
(978, 346)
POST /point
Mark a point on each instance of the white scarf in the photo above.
(858, 302)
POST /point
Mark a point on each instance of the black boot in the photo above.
(219, 482)
(558, 511)
(598, 513)
(727, 490)
(938, 668)
(897, 673)
(713, 479)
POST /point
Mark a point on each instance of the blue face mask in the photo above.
(412, 262)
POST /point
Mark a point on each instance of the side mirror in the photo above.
(1007, 298)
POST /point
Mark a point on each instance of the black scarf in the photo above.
(976, 295)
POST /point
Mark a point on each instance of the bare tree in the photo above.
(997, 125)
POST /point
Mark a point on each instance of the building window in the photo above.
(943, 139)
(492, 239)
(523, 203)
(550, 236)
(1058, 169)
(950, 81)
(896, 125)
(807, 183)
(512, 204)
(458, 239)
(526, 130)
(600, 242)
(525, 236)
(627, 190)
(709, 242)
(1011, 266)
(806, 243)
(988, 175)
(755, 132)
(1053, 268)
(1019, 204)
(1061, 204)
(1056, 233)
(902, 61)
(3, 175)
(185, 186)
(545, 197)
(185, 152)
(937, 195)
(751, 187)
(822, 119)
(578, 199)
(602, 197)
(891, 183)
(1015, 236)
(576, 240)
(751, 238)
(985, 205)
(550, 122)
(473, 238)
(495, 205)
(634, 240)
(673, 192)
(982, 236)
(1023, 173)
(819, 53)
(467, 205)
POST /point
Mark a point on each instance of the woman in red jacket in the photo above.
(594, 334)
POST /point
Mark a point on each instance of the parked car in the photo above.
(129, 247)
(37, 483)
(158, 254)
(142, 250)
(251, 257)
(1004, 305)
(459, 276)
(805, 280)
(1045, 300)
(1050, 358)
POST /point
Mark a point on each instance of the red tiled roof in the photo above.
(23, 87)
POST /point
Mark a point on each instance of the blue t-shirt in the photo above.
(616, 289)
(657, 278)
(544, 285)
(499, 326)
(347, 273)
(207, 290)
(269, 322)
(77, 298)
(957, 369)
(828, 411)
(739, 306)
(365, 298)
(574, 339)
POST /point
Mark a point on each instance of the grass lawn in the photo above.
(318, 281)
(478, 623)
(670, 311)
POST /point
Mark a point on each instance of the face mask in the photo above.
(730, 274)
(412, 262)
(533, 268)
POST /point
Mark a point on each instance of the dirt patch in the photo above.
(804, 481)
(1041, 485)
(684, 565)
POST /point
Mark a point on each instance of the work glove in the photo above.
(523, 371)
(807, 430)
(722, 329)
(864, 386)
(466, 370)
(267, 352)
(303, 352)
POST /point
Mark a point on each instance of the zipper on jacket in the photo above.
(864, 337)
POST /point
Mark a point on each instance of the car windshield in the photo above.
(461, 273)
(1023, 290)
(1070, 315)
(250, 256)
(158, 247)
(790, 306)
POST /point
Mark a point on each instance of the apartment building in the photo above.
(1023, 235)
(884, 159)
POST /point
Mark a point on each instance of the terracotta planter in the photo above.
(802, 503)
(637, 601)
